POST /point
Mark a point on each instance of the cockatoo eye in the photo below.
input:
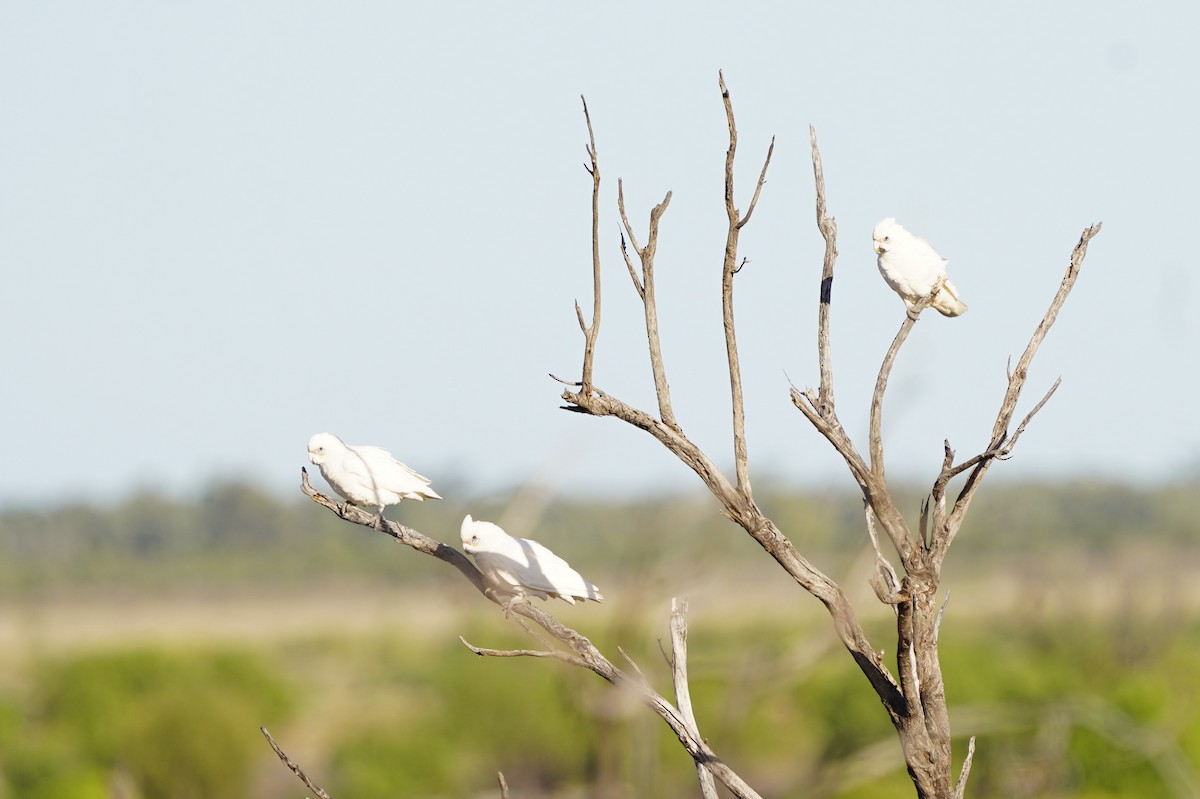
(886, 238)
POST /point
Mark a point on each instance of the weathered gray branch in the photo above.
(683, 692)
(645, 289)
(295, 768)
(823, 404)
(581, 650)
(731, 268)
(591, 331)
(1001, 444)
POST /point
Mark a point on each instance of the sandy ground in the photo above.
(1093, 588)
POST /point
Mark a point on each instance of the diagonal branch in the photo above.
(295, 768)
(585, 654)
(405, 535)
(944, 533)
(744, 512)
(949, 471)
(762, 178)
(885, 371)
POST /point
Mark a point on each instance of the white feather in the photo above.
(367, 476)
(519, 566)
(912, 267)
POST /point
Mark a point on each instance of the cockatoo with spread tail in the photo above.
(367, 476)
(912, 268)
(520, 567)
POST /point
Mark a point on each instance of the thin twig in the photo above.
(633, 665)
(960, 787)
(523, 653)
(287, 761)
(637, 284)
(762, 178)
(503, 784)
(591, 331)
(740, 455)
(645, 289)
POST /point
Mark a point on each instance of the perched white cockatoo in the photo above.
(912, 268)
(367, 476)
(520, 567)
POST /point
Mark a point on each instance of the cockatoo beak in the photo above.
(879, 248)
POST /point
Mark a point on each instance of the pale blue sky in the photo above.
(227, 226)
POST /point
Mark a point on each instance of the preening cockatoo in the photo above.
(912, 268)
(520, 567)
(367, 476)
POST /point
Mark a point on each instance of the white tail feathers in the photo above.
(946, 301)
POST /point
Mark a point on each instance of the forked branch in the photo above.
(946, 527)
(645, 290)
(731, 268)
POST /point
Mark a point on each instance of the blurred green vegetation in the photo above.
(236, 535)
(1059, 712)
(164, 724)
(1097, 699)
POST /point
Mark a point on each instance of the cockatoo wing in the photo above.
(523, 565)
(392, 476)
(552, 574)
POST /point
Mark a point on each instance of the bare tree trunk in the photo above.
(915, 697)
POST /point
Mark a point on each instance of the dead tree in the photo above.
(913, 696)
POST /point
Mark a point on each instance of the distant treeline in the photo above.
(239, 535)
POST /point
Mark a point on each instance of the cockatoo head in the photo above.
(322, 445)
(885, 233)
(470, 538)
(476, 536)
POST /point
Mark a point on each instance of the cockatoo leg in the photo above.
(511, 601)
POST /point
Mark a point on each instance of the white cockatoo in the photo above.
(520, 567)
(367, 476)
(912, 268)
